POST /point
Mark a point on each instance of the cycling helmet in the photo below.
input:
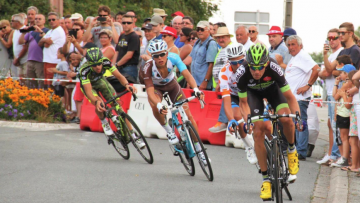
(94, 56)
(157, 46)
(235, 50)
(257, 55)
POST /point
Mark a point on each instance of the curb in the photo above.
(38, 126)
(339, 186)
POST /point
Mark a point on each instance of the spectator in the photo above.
(193, 38)
(188, 22)
(87, 22)
(25, 18)
(343, 113)
(51, 41)
(62, 22)
(35, 66)
(106, 48)
(60, 72)
(349, 39)
(278, 47)
(202, 56)
(157, 26)
(118, 16)
(132, 14)
(31, 13)
(335, 45)
(212, 30)
(253, 33)
(301, 73)
(146, 21)
(6, 40)
(68, 22)
(185, 38)
(176, 23)
(142, 48)
(160, 12)
(242, 36)
(313, 126)
(74, 42)
(20, 50)
(77, 95)
(149, 35)
(288, 32)
(128, 50)
(169, 35)
(93, 32)
(177, 13)
(77, 18)
(217, 25)
(223, 38)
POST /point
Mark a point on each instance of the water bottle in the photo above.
(182, 133)
(116, 122)
(338, 138)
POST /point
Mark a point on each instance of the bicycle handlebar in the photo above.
(121, 94)
(170, 106)
(275, 117)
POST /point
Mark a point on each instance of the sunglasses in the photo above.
(103, 15)
(193, 38)
(259, 68)
(2, 28)
(236, 62)
(49, 20)
(332, 38)
(13, 21)
(164, 36)
(124, 23)
(342, 33)
(252, 31)
(159, 55)
(76, 29)
(200, 29)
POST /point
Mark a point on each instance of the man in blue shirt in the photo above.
(278, 46)
(202, 56)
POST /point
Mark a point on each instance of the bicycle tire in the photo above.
(148, 157)
(206, 168)
(285, 175)
(185, 159)
(276, 172)
(120, 146)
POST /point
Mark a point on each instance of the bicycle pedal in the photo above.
(176, 153)
(265, 200)
(110, 141)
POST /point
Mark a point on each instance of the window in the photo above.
(259, 19)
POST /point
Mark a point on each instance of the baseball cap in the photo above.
(76, 16)
(156, 19)
(89, 45)
(159, 11)
(147, 27)
(347, 68)
(146, 19)
(289, 31)
(275, 30)
(203, 24)
(169, 31)
(177, 13)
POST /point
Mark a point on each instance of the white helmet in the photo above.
(235, 50)
(157, 45)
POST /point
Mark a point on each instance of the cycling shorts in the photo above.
(173, 88)
(101, 86)
(234, 101)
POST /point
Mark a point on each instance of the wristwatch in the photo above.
(309, 85)
(206, 80)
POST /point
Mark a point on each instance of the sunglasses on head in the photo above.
(332, 38)
(236, 62)
(159, 55)
(49, 20)
(254, 68)
(199, 29)
(129, 23)
(252, 31)
(342, 33)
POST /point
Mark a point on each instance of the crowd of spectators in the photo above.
(29, 49)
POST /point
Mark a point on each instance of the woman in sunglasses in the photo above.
(186, 39)
(193, 38)
(169, 36)
(229, 91)
(6, 50)
(74, 41)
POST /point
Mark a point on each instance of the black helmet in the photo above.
(94, 56)
(257, 55)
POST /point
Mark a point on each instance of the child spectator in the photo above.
(60, 72)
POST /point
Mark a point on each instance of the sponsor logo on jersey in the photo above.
(267, 78)
(84, 72)
(240, 72)
(251, 85)
(106, 63)
(276, 68)
(147, 65)
(256, 110)
(84, 78)
(251, 80)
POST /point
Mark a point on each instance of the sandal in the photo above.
(346, 168)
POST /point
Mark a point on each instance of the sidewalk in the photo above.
(334, 185)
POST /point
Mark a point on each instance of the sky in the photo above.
(312, 19)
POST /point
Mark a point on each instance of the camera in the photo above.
(73, 33)
(101, 19)
(27, 30)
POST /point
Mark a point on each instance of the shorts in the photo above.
(174, 90)
(47, 74)
(22, 70)
(273, 95)
(78, 95)
(101, 86)
(234, 101)
(59, 90)
(342, 122)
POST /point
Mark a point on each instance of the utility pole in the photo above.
(288, 4)
(57, 6)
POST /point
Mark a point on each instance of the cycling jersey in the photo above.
(227, 81)
(87, 75)
(150, 75)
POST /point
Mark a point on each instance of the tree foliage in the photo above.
(317, 57)
(11, 7)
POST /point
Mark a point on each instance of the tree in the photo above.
(11, 7)
(317, 57)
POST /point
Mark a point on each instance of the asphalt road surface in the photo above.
(78, 166)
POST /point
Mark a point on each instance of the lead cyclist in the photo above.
(261, 77)
(158, 77)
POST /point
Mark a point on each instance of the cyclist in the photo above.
(261, 77)
(92, 82)
(229, 91)
(158, 77)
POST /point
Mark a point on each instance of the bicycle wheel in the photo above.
(185, 159)
(205, 167)
(120, 146)
(284, 174)
(144, 151)
(276, 171)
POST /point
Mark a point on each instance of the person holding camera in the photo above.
(74, 41)
(31, 35)
(105, 23)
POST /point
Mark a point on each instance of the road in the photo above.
(78, 166)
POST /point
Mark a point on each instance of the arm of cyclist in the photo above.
(94, 100)
(124, 81)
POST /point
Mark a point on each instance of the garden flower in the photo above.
(2, 109)
(15, 110)
(21, 114)
(28, 112)
(10, 113)
(6, 105)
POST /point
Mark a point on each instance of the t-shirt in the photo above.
(35, 52)
(298, 72)
(72, 48)
(354, 53)
(130, 42)
(178, 43)
(330, 81)
(227, 81)
(220, 60)
(61, 66)
(18, 47)
(95, 31)
(248, 44)
(282, 50)
(59, 38)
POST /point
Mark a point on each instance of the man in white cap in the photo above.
(157, 25)
(223, 38)
(77, 17)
